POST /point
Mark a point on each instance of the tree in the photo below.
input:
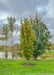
(27, 38)
(5, 32)
(42, 34)
(12, 27)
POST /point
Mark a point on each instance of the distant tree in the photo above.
(27, 38)
(42, 34)
(5, 32)
(52, 46)
(12, 28)
(49, 46)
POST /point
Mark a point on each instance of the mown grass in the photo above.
(14, 67)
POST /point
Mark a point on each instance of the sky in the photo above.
(23, 8)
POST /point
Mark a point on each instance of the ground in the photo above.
(14, 67)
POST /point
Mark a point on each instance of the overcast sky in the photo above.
(23, 8)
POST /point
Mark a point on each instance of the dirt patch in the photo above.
(28, 64)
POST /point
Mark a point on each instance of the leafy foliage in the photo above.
(5, 31)
(11, 23)
(27, 38)
(12, 27)
(42, 34)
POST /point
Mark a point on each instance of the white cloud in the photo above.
(39, 9)
(3, 15)
(50, 9)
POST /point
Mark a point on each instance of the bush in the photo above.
(43, 56)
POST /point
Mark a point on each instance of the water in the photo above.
(2, 55)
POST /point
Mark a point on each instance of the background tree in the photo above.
(27, 38)
(42, 34)
(12, 28)
(5, 32)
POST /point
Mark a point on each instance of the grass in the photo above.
(14, 67)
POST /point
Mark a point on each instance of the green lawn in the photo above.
(14, 67)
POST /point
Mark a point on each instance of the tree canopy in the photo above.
(41, 33)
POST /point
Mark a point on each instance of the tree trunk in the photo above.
(6, 47)
(12, 45)
(27, 62)
(35, 58)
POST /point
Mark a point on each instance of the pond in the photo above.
(2, 55)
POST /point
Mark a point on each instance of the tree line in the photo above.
(34, 35)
